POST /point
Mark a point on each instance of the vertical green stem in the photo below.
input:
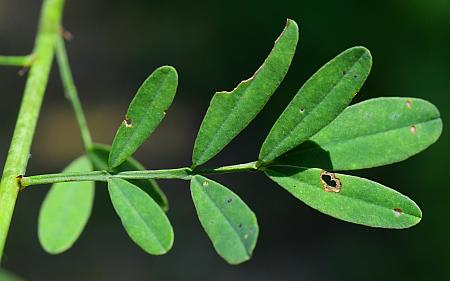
(19, 151)
(71, 91)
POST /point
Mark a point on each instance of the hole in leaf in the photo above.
(128, 122)
(302, 110)
(413, 129)
(398, 212)
(409, 104)
(330, 182)
(229, 200)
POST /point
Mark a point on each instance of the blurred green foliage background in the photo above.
(214, 45)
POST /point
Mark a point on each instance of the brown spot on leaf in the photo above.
(330, 182)
(128, 122)
(398, 212)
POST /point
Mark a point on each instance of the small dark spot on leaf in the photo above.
(302, 110)
(330, 182)
(344, 72)
(240, 225)
(413, 129)
(355, 76)
(229, 200)
(128, 122)
(398, 212)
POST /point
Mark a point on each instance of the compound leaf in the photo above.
(369, 134)
(230, 112)
(99, 156)
(66, 210)
(146, 111)
(348, 198)
(228, 221)
(318, 102)
(143, 219)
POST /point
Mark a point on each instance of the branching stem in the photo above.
(19, 151)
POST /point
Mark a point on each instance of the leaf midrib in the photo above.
(370, 203)
(242, 244)
(146, 115)
(138, 215)
(325, 145)
(312, 111)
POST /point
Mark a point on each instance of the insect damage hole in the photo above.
(397, 212)
(330, 182)
(128, 122)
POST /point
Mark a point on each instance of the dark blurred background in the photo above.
(214, 45)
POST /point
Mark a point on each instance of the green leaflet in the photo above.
(228, 221)
(359, 200)
(99, 156)
(66, 210)
(230, 112)
(369, 134)
(146, 111)
(319, 101)
(145, 222)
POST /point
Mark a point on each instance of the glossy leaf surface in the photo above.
(318, 102)
(358, 200)
(230, 112)
(228, 221)
(369, 134)
(66, 210)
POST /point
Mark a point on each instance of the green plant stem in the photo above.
(71, 92)
(16, 60)
(19, 151)
(179, 173)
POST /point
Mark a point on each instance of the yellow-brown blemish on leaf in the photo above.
(413, 129)
(128, 122)
(330, 182)
(409, 104)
